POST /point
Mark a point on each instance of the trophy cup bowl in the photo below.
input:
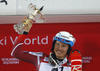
(34, 16)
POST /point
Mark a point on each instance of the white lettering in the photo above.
(33, 40)
(13, 41)
(45, 39)
(10, 61)
(38, 40)
(5, 41)
(1, 41)
(87, 59)
(29, 41)
(90, 58)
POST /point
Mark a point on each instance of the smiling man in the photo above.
(58, 60)
(60, 49)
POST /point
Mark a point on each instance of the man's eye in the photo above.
(63, 45)
(57, 44)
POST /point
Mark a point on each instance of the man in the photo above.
(58, 60)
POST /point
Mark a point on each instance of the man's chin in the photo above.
(58, 57)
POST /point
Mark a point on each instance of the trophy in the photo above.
(34, 16)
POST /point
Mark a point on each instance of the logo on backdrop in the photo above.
(7, 61)
(87, 59)
(4, 1)
(37, 40)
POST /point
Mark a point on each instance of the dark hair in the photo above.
(69, 49)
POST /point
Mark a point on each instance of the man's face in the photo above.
(60, 49)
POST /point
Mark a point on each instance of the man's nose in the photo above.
(60, 47)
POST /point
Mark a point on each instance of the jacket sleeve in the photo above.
(26, 56)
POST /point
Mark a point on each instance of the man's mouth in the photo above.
(58, 52)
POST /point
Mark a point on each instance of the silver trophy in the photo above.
(34, 16)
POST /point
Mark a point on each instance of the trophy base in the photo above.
(18, 28)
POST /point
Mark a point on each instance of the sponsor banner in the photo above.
(40, 39)
(36, 40)
(19, 7)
